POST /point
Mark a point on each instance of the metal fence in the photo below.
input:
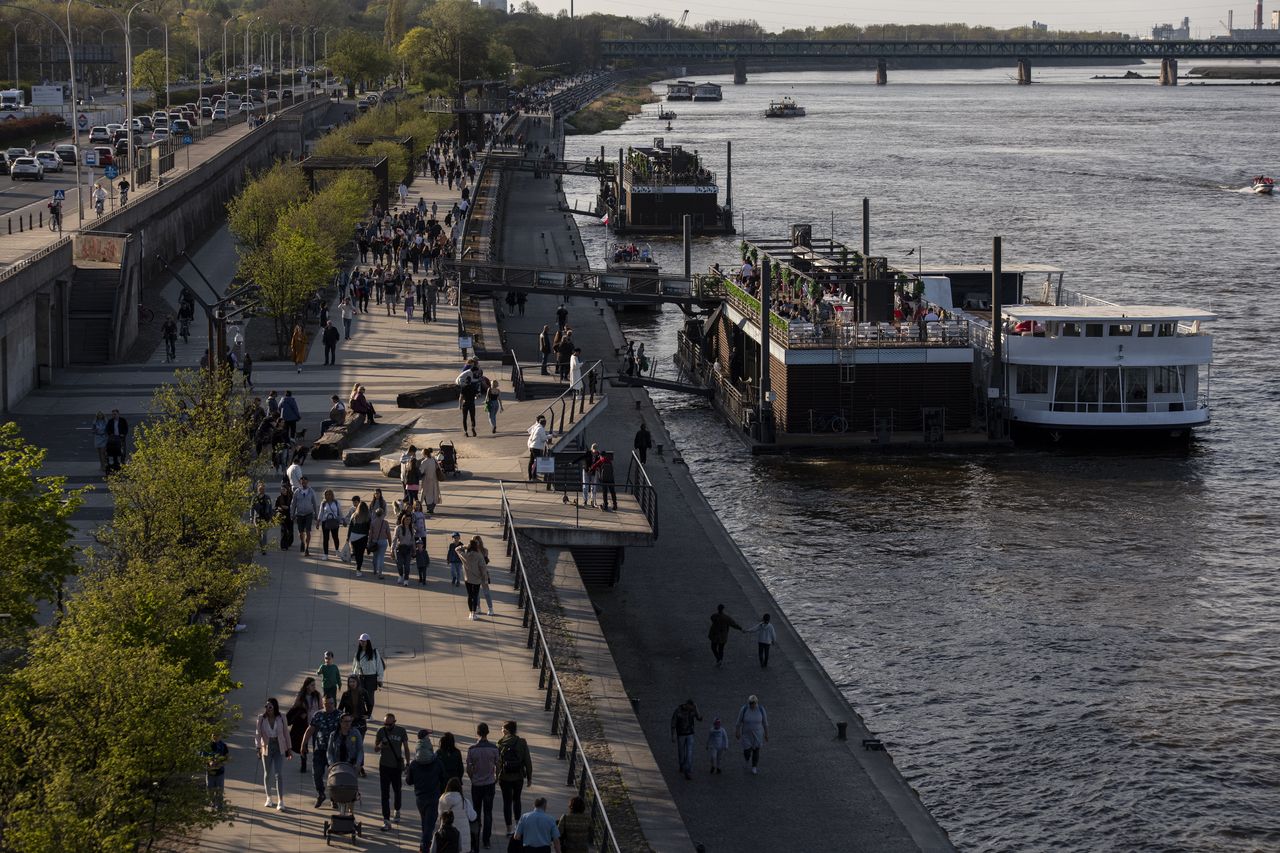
(639, 484)
(574, 399)
(600, 835)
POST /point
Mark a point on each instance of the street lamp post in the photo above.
(167, 86)
(225, 24)
(125, 24)
(71, 69)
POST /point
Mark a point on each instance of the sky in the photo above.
(1128, 16)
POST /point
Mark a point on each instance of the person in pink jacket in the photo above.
(271, 738)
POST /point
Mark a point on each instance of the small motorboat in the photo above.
(785, 108)
(1262, 185)
(664, 114)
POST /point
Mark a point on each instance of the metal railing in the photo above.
(600, 835)
(641, 486)
(574, 399)
(517, 378)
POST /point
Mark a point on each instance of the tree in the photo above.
(288, 271)
(393, 29)
(35, 535)
(453, 40)
(149, 73)
(253, 214)
(355, 56)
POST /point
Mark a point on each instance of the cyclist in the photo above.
(99, 200)
(55, 215)
(186, 313)
(124, 192)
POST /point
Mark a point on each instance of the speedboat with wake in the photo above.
(1262, 185)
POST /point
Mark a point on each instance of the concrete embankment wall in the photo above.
(34, 333)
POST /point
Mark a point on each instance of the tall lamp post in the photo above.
(167, 86)
(71, 69)
(126, 22)
(293, 55)
(228, 22)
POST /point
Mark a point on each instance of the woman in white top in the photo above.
(271, 738)
(453, 800)
(330, 520)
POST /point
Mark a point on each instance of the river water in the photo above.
(1065, 650)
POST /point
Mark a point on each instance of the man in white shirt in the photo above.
(537, 444)
(747, 271)
(303, 508)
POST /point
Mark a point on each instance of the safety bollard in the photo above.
(42, 219)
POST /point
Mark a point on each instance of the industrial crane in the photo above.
(683, 18)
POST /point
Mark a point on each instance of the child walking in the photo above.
(717, 744)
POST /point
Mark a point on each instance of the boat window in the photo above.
(1169, 380)
(1087, 388)
(1111, 389)
(1033, 379)
(1120, 330)
(1071, 330)
(1135, 389)
(1064, 390)
(1093, 330)
(1167, 330)
(1146, 330)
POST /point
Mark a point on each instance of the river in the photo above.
(1064, 650)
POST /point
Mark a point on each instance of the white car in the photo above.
(219, 114)
(26, 167)
(99, 134)
(114, 126)
(49, 160)
(159, 133)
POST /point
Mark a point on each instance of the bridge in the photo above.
(597, 168)
(739, 51)
(699, 291)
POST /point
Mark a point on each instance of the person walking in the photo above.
(117, 438)
(379, 539)
(484, 586)
(454, 558)
(391, 742)
(468, 383)
(564, 352)
(298, 347)
(262, 511)
(752, 732)
(346, 313)
(683, 721)
(347, 744)
(284, 516)
(99, 428)
(545, 347)
(537, 444)
(493, 405)
(482, 769)
(450, 757)
(456, 811)
(298, 717)
(322, 726)
(537, 831)
(410, 474)
(447, 839)
(271, 738)
(330, 676)
(405, 542)
(304, 507)
(369, 666)
(358, 523)
(765, 636)
(515, 771)
(602, 468)
(429, 486)
(290, 413)
(169, 331)
(717, 745)
(216, 756)
(562, 317)
(330, 518)
(330, 339)
(474, 575)
(575, 373)
(721, 622)
(352, 703)
(575, 827)
(643, 441)
(420, 554)
(426, 775)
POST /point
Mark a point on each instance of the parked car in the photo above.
(219, 114)
(106, 156)
(26, 167)
(67, 153)
(50, 161)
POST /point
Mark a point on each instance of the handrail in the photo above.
(555, 701)
(517, 377)
(577, 398)
(646, 495)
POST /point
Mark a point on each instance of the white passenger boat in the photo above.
(785, 108)
(1095, 365)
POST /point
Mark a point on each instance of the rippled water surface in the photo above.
(1067, 651)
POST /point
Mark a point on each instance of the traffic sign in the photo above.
(91, 158)
(59, 195)
(111, 172)
(186, 140)
(82, 121)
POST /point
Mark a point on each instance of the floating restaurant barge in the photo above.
(860, 354)
(655, 187)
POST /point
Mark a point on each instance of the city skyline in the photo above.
(1135, 18)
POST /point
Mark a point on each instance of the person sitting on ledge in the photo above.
(359, 405)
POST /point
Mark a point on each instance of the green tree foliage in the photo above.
(149, 73)
(288, 272)
(393, 29)
(252, 215)
(455, 39)
(357, 57)
(35, 530)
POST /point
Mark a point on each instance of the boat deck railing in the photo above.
(1200, 403)
(647, 177)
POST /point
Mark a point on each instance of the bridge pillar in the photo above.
(1024, 71)
(739, 71)
(882, 72)
(1168, 72)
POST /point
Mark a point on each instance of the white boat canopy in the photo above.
(1106, 313)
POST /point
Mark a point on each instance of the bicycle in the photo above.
(835, 422)
(145, 315)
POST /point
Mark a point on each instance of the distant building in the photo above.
(498, 5)
(1168, 32)
(1039, 27)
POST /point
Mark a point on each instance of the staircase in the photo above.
(90, 314)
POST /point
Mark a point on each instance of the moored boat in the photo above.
(634, 261)
(681, 90)
(1262, 185)
(707, 92)
(784, 108)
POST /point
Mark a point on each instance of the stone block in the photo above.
(423, 397)
(354, 457)
(390, 465)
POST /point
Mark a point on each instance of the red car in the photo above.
(105, 155)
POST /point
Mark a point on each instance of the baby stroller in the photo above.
(342, 787)
(448, 458)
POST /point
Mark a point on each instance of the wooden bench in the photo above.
(338, 438)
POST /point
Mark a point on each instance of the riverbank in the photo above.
(655, 623)
(610, 111)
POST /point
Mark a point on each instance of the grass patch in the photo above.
(612, 109)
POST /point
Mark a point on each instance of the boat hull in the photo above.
(1100, 438)
(1262, 189)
